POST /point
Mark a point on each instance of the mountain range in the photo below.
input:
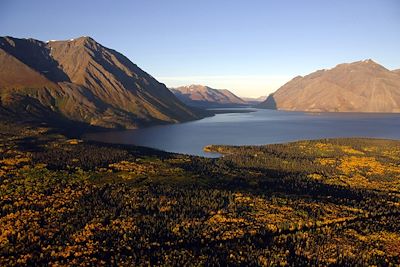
(362, 86)
(204, 96)
(254, 100)
(81, 80)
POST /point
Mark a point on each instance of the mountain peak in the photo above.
(88, 38)
(361, 65)
(196, 86)
(368, 62)
(204, 96)
(84, 39)
(78, 40)
(371, 65)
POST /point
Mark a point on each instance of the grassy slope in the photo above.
(316, 202)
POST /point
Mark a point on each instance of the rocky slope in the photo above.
(204, 96)
(362, 86)
(81, 80)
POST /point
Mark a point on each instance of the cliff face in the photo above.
(81, 80)
(362, 86)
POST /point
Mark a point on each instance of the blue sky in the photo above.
(251, 47)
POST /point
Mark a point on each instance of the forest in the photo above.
(65, 201)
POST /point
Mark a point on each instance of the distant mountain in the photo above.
(396, 71)
(81, 80)
(362, 86)
(255, 100)
(204, 96)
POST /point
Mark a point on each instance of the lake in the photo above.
(255, 128)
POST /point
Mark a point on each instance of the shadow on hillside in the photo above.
(269, 103)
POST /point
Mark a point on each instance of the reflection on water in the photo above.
(256, 128)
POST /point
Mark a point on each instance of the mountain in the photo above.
(254, 100)
(204, 96)
(396, 71)
(362, 86)
(82, 81)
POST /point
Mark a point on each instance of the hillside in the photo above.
(83, 81)
(362, 86)
(204, 96)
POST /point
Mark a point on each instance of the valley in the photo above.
(199, 133)
(254, 127)
(204, 178)
(323, 202)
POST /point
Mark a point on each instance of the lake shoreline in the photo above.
(259, 127)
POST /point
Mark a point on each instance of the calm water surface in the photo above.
(256, 128)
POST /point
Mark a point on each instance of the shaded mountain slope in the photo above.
(84, 81)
